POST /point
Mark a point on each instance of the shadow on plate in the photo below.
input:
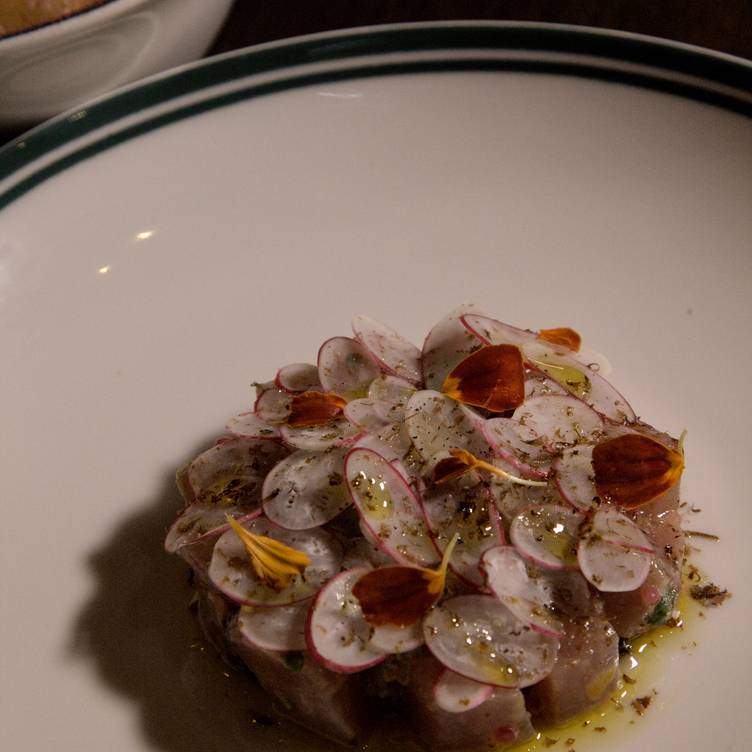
(138, 634)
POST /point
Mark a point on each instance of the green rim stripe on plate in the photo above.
(731, 73)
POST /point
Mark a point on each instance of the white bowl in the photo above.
(49, 69)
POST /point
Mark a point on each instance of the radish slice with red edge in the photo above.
(456, 694)
(538, 385)
(611, 568)
(389, 349)
(600, 395)
(273, 405)
(528, 598)
(478, 637)
(574, 477)
(298, 377)
(493, 332)
(395, 640)
(594, 360)
(560, 421)
(345, 367)
(519, 445)
(336, 433)
(280, 629)
(613, 526)
(392, 442)
(360, 552)
(447, 344)
(232, 573)
(472, 514)
(365, 413)
(547, 535)
(390, 394)
(306, 489)
(437, 423)
(200, 521)
(233, 471)
(337, 634)
(389, 507)
(249, 426)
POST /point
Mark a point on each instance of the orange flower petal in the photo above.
(314, 409)
(460, 461)
(492, 377)
(632, 469)
(562, 335)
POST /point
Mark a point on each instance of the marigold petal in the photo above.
(562, 335)
(314, 409)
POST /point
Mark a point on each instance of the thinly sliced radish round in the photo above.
(493, 332)
(395, 640)
(594, 360)
(613, 526)
(471, 513)
(447, 344)
(336, 633)
(249, 426)
(233, 471)
(198, 521)
(478, 637)
(336, 433)
(538, 385)
(298, 377)
(231, 571)
(280, 629)
(365, 413)
(560, 421)
(528, 598)
(390, 394)
(457, 694)
(574, 477)
(611, 568)
(547, 535)
(519, 445)
(306, 489)
(345, 367)
(360, 552)
(437, 423)
(390, 349)
(601, 395)
(389, 507)
(273, 405)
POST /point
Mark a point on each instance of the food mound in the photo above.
(466, 529)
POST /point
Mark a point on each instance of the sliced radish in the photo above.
(306, 489)
(437, 423)
(389, 507)
(388, 348)
(594, 360)
(479, 638)
(600, 395)
(392, 442)
(613, 526)
(547, 535)
(337, 433)
(395, 640)
(528, 598)
(447, 344)
(298, 377)
(249, 426)
(519, 445)
(231, 571)
(538, 385)
(493, 332)
(198, 521)
(280, 629)
(471, 513)
(345, 367)
(390, 394)
(611, 568)
(233, 471)
(360, 552)
(273, 405)
(560, 421)
(457, 694)
(574, 477)
(366, 414)
(336, 633)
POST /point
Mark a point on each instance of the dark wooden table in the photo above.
(724, 25)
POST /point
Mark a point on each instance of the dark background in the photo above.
(724, 25)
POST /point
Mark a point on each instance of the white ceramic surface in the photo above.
(54, 67)
(143, 288)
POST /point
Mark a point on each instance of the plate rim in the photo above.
(711, 77)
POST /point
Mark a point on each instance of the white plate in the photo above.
(148, 274)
